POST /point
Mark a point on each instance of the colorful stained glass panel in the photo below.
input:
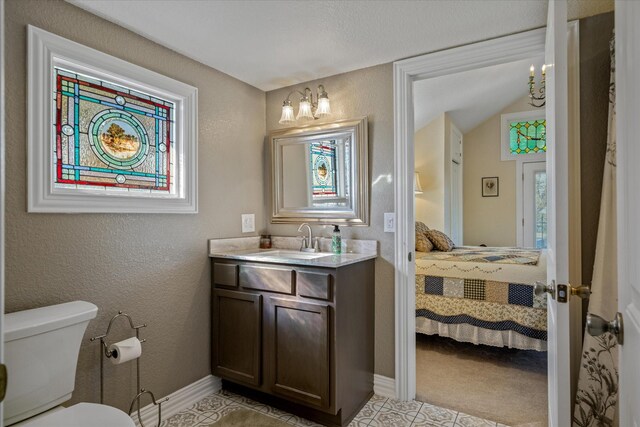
(528, 137)
(323, 169)
(111, 137)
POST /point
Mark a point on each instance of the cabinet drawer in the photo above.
(314, 285)
(225, 274)
(270, 279)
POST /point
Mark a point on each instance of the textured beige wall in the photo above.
(489, 220)
(363, 92)
(154, 267)
(429, 143)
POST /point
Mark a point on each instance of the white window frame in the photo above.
(523, 116)
(47, 50)
(520, 199)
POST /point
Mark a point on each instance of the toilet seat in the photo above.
(83, 415)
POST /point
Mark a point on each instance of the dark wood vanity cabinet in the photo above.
(296, 337)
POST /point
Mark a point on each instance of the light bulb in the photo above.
(287, 113)
(324, 107)
(304, 111)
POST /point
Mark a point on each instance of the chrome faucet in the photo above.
(308, 245)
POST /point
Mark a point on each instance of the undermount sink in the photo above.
(291, 254)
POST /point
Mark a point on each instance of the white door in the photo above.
(534, 201)
(560, 404)
(627, 16)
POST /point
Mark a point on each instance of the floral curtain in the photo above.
(597, 396)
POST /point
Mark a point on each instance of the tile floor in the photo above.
(378, 412)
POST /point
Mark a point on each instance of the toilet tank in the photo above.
(41, 354)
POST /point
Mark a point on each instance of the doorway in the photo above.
(406, 73)
(480, 333)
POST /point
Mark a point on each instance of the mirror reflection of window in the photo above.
(330, 171)
(316, 173)
(323, 169)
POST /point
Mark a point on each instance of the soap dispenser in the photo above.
(336, 241)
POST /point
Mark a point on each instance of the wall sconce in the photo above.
(417, 188)
(307, 110)
(536, 100)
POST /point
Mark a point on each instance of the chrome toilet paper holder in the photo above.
(109, 354)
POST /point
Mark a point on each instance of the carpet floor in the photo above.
(502, 384)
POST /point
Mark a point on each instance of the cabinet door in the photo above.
(298, 351)
(236, 327)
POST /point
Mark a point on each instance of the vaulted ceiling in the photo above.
(473, 96)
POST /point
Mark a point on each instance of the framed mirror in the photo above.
(320, 174)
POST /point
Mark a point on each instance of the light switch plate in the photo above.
(389, 222)
(248, 223)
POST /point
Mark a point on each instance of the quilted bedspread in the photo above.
(488, 304)
(485, 255)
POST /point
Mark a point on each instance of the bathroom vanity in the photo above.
(295, 330)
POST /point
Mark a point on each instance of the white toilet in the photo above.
(41, 354)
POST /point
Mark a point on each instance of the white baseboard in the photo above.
(187, 396)
(179, 400)
(384, 386)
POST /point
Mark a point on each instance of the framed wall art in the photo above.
(105, 135)
(490, 186)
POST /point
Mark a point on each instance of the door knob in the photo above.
(539, 288)
(597, 326)
(581, 291)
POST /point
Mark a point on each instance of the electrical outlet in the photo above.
(389, 222)
(248, 223)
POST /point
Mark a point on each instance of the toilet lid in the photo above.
(84, 415)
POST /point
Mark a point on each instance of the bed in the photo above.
(483, 295)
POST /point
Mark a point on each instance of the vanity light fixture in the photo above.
(417, 188)
(539, 99)
(307, 109)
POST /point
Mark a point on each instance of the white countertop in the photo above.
(245, 249)
(330, 260)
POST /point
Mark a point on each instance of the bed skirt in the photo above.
(472, 334)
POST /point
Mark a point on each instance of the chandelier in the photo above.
(536, 99)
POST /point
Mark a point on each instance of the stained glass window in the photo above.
(323, 169)
(527, 137)
(111, 137)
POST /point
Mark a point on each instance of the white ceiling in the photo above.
(473, 96)
(275, 43)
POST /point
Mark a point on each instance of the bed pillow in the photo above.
(441, 241)
(423, 244)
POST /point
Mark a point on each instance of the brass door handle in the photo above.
(597, 326)
(581, 291)
(560, 291)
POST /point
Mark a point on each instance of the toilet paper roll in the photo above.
(126, 350)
